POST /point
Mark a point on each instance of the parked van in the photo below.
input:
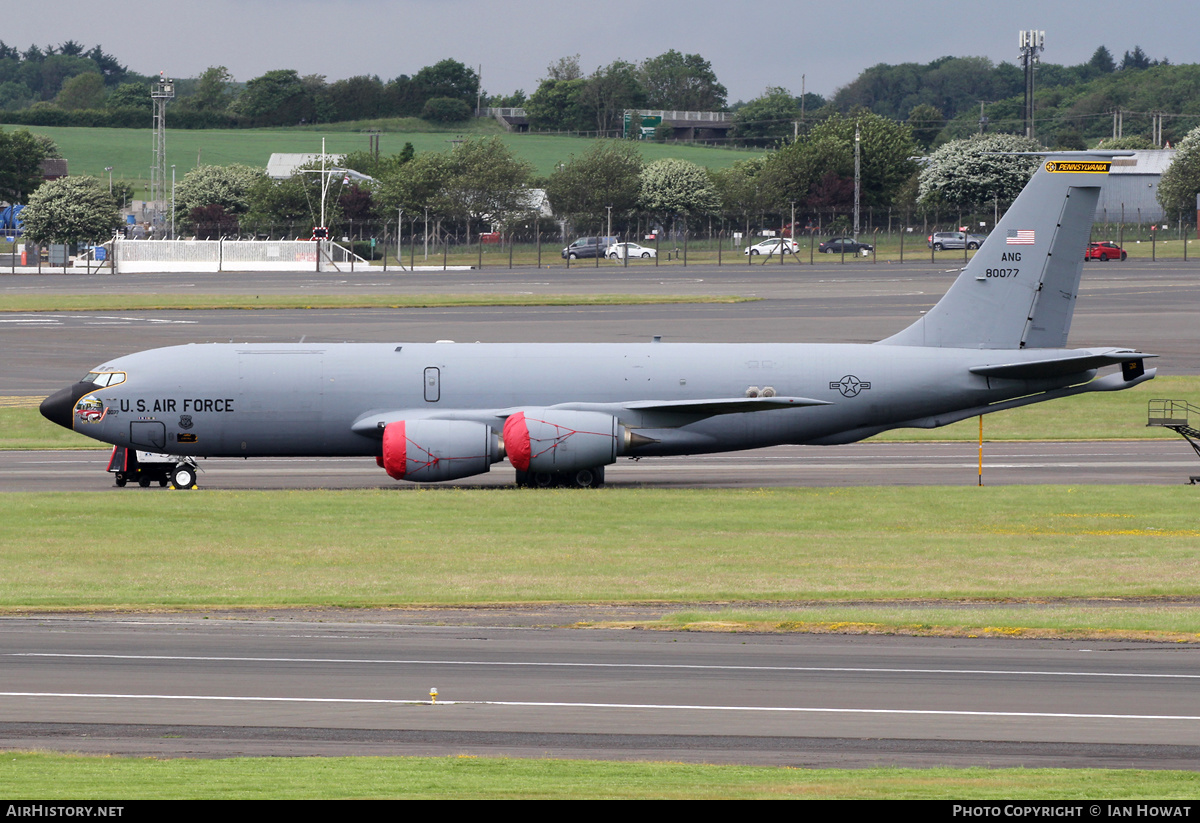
(588, 247)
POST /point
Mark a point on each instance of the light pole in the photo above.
(792, 231)
(857, 177)
(109, 170)
(172, 201)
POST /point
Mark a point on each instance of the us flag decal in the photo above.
(1019, 237)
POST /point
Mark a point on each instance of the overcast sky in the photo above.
(751, 44)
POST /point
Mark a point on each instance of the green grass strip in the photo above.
(1104, 619)
(452, 546)
(23, 427)
(193, 301)
(77, 777)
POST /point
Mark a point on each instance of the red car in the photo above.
(1104, 252)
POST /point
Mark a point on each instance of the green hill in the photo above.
(128, 151)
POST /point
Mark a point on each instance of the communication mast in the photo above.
(163, 91)
(1033, 43)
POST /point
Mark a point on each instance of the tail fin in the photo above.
(1019, 289)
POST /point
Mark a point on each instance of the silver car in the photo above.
(954, 240)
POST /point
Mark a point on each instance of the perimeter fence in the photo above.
(716, 239)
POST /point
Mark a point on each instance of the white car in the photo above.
(771, 246)
(620, 250)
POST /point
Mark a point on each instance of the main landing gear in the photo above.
(592, 478)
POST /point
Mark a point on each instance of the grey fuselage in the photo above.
(296, 399)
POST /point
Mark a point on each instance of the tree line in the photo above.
(953, 97)
(75, 90)
(941, 100)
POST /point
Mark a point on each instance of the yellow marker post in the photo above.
(981, 449)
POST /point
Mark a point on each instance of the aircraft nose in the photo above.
(59, 407)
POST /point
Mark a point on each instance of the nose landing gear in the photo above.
(184, 476)
(145, 468)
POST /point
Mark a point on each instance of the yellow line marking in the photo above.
(15, 402)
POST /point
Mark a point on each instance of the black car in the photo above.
(843, 245)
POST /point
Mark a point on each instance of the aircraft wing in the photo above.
(657, 413)
(1075, 363)
(669, 414)
(707, 407)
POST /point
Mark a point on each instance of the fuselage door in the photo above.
(148, 435)
(433, 384)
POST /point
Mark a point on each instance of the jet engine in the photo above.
(556, 440)
(431, 450)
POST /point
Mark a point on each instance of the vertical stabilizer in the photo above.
(1019, 289)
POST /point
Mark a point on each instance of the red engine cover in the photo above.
(516, 441)
(554, 440)
(431, 450)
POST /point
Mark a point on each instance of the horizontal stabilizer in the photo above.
(1083, 361)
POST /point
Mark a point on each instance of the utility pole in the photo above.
(802, 101)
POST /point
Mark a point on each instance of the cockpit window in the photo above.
(104, 378)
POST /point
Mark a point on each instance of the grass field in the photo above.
(75, 777)
(324, 548)
(128, 151)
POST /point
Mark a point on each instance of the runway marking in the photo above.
(19, 402)
(92, 320)
(566, 705)
(528, 663)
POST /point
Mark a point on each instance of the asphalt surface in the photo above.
(354, 684)
(169, 686)
(1159, 462)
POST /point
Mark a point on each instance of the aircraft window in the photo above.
(103, 379)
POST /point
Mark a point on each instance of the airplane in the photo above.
(559, 413)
